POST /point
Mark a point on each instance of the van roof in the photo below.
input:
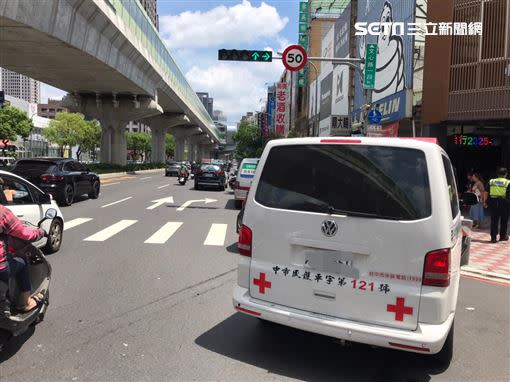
(416, 143)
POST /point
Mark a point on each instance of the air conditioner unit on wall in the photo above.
(340, 126)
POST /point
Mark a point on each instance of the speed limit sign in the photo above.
(294, 58)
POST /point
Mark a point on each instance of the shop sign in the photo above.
(281, 119)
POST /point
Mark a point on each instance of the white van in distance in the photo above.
(245, 175)
(354, 238)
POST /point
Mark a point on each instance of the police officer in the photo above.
(499, 202)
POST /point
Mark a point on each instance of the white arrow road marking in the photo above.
(146, 177)
(216, 235)
(111, 230)
(160, 187)
(160, 202)
(75, 222)
(186, 204)
(164, 233)
(118, 201)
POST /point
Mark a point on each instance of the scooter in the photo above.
(182, 178)
(13, 323)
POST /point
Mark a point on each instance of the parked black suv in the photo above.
(63, 178)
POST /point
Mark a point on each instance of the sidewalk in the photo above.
(486, 257)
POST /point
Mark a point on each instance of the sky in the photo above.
(194, 30)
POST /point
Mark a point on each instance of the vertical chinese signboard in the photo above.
(302, 76)
(281, 119)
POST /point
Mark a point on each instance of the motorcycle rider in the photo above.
(11, 226)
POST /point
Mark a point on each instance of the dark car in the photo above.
(210, 175)
(63, 178)
(172, 168)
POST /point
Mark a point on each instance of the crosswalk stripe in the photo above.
(216, 235)
(164, 233)
(118, 201)
(75, 222)
(111, 230)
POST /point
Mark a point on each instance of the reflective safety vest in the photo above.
(498, 187)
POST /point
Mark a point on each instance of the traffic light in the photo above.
(245, 55)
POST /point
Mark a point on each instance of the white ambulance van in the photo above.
(245, 175)
(354, 238)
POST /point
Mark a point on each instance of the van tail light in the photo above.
(245, 240)
(51, 178)
(220, 173)
(436, 271)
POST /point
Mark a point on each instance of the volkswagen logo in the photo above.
(329, 228)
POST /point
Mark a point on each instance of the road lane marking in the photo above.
(147, 177)
(118, 201)
(108, 232)
(160, 202)
(160, 187)
(164, 233)
(75, 222)
(216, 235)
(189, 202)
(109, 184)
(108, 180)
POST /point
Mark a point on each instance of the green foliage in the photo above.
(89, 138)
(139, 143)
(169, 145)
(249, 143)
(13, 122)
(294, 133)
(66, 130)
(105, 168)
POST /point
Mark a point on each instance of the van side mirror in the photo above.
(469, 199)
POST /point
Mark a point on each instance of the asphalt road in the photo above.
(125, 310)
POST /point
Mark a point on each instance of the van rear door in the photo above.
(342, 231)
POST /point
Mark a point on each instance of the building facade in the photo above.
(49, 110)
(19, 86)
(151, 8)
(466, 92)
(207, 101)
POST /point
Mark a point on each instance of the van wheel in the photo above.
(444, 357)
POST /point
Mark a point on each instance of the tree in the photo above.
(249, 143)
(139, 143)
(294, 133)
(169, 145)
(66, 130)
(89, 137)
(13, 122)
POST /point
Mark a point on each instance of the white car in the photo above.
(30, 204)
(245, 174)
(358, 239)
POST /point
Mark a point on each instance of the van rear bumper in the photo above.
(426, 339)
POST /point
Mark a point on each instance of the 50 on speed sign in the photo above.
(294, 58)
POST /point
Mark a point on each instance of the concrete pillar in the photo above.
(119, 145)
(158, 152)
(105, 154)
(113, 112)
(179, 149)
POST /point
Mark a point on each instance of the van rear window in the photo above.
(356, 180)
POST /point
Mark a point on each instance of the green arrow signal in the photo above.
(266, 56)
(255, 56)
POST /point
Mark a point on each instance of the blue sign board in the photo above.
(392, 108)
(374, 116)
(394, 71)
(271, 106)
